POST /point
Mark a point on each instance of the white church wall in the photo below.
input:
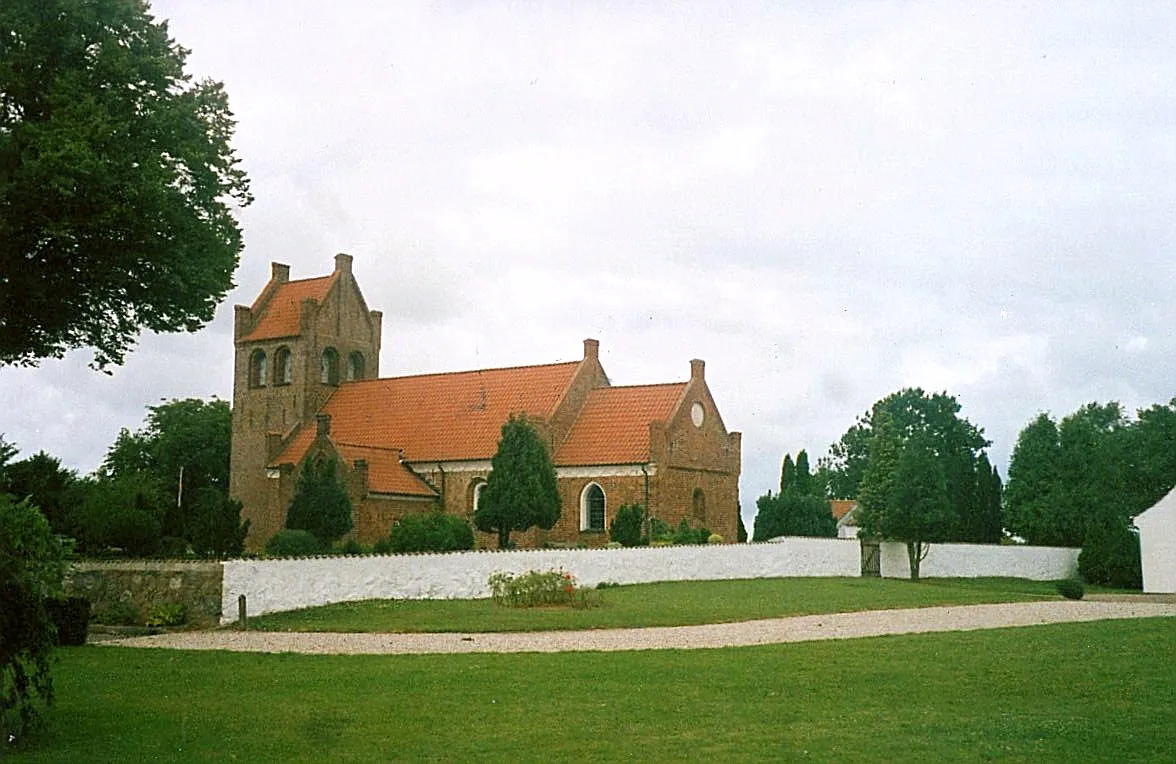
(288, 584)
(1037, 563)
(1157, 546)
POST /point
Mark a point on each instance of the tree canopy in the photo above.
(521, 490)
(955, 444)
(117, 182)
(800, 509)
(320, 504)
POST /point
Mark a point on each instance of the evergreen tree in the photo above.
(787, 474)
(320, 504)
(521, 490)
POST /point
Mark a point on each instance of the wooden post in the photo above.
(242, 620)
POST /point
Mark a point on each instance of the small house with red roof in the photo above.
(307, 384)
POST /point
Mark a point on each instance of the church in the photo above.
(306, 384)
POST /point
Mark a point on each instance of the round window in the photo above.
(697, 414)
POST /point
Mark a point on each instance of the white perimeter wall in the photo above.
(1038, 563)
(274, 585)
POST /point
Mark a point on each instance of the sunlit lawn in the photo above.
(664, 604)
(1076, 692)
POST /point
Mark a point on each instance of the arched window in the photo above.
(355, 366)
(329, 368)
(479, 488)
(698, 508)
(592, 508)
(257, 368)
(283, 366)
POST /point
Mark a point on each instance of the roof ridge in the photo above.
(465, 371)
(634, 387)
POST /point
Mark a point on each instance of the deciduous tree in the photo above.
(117, 182)
(521, 490)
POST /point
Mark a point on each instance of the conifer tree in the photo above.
(521, 490)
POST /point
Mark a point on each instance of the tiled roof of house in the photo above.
(613, 426)
(386, 473)
(840, 507)
(437, 417)
(282, 313)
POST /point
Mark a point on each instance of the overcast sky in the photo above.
(825, 201)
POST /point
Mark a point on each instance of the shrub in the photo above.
(431, 532)
(32, 568)
(320, 504)
(292, 543)
(533, 588)
(714, 538)
(1110, 557)
(687, 535)
(352, 547)
(1072, 588)
(614, 545)
(120, 613)
(71, 616)
(383, 546)
(660, 532)
(167, 614)
(625, 528)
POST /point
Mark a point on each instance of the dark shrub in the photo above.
(431, 532)
(687, 535)
(351, 546)
(120, 613)
(1110, 557)
(626, 526)
(383, 546)
(290, 543)
(71, 616)
(1072, 588)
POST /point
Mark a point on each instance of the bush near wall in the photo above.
(431, 532)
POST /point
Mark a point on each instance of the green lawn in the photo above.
(1075, 692)
(665, 604)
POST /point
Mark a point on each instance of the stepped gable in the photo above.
(613, 426)
(281, 309)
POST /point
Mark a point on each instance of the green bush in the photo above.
(71, 616)
(626, 526)
(383, 546)
(167, 614)
(714, 538)
(1071, 588)
(120, 613)
(1110, 557)
(431, 532)
(687, 535)
(352, 547)
(660, 532)
(32, 569)
(293, 543)
(533, 588)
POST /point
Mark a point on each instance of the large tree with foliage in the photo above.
(521, 490)
(954, 443)
(320, 504)
(32, 567)
(183, 448)
(117, 182)
(54, 489)
(799, 509)
(1080, 481)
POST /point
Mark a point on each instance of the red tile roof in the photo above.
(282, 312)
(841, 507)
(437, 417)
(386, 474)
(613, 426)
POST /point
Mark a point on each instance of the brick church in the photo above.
(306, 383)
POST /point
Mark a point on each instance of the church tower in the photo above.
(297, 343)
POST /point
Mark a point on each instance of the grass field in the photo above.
(1076, 692)
(666, 604)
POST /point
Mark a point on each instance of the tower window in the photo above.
(355, 366)
(257, 368)
(592, 508)
(329, 371)
(283, 367)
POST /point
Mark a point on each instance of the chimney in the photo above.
(279, 272)
(696, 370)
(591, 349)
(323, 423)
(343, 263)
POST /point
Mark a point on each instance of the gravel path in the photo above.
(764, 632)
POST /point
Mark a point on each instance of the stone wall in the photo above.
(276, 585)
(197, 585)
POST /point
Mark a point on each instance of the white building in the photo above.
(1157, 545)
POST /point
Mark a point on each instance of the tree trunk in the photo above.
(915, 557)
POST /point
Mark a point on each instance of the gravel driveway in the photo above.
(763, 632)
